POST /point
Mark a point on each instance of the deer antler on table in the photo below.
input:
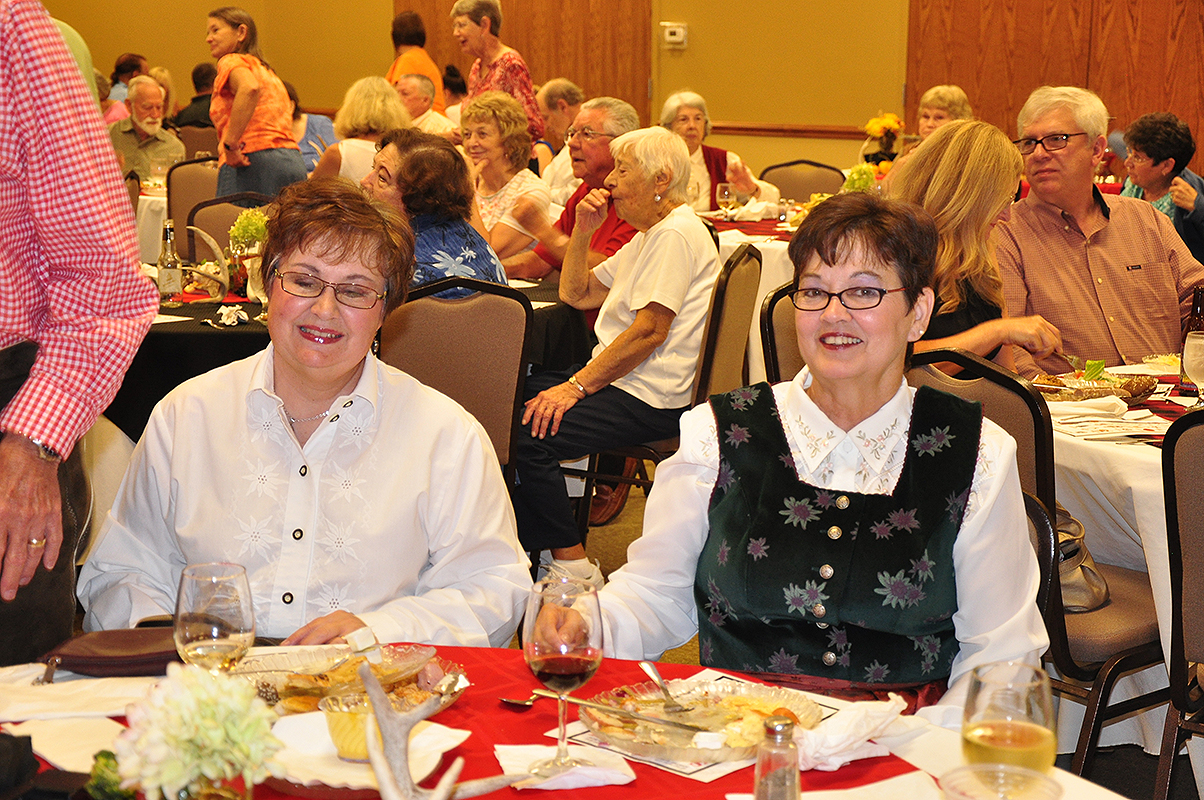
(390, 756)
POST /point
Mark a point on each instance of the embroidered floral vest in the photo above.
(855, 587)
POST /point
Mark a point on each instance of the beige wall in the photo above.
(321, 47)
(819, 62)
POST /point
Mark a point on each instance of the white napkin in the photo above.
(1095, 407)
(844, 736)
(95, 697)
(755, 210)
(912, 785)
(69, 744)
(232, 315)
(609, 768)
(309, 756)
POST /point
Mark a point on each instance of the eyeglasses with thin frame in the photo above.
(588, 134)
(854, 298)
(353, 295)
(1051, 143)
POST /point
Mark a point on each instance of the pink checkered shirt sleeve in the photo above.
(68, 249)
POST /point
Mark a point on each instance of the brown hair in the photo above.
(332, 218)
(431, 176)
(408, 29)
(898, 234)
(235, 16)
(1160, 136)
(504, 111)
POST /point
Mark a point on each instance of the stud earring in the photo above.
(657, 198)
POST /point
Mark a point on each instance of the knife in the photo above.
(621, 712)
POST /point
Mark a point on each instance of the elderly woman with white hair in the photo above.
(685, 113)
(653, 296)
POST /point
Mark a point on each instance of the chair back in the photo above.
(216, 215)
(779, 336)
(197, 139)
(721, 360)
(469, 348)
(799, 179)
(1182, 476)
(133, 188)
(711, 229)
(188, 183)
(1043, 534)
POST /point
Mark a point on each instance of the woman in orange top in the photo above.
(251, 111)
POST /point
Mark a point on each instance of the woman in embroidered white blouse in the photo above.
(353, 495)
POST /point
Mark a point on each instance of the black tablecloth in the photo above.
(173, 352)
(559, 336)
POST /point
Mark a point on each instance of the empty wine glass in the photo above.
(1008, 717)
(214, 622)
(1193, 362)
(562, 643)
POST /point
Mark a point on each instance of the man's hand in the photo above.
(558, 629)
(1183, 195)
(31, 522)
(592, 211)
(329, 629)
(545, 410)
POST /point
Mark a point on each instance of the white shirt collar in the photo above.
(263, 388)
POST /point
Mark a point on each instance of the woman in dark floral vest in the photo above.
(843, 531)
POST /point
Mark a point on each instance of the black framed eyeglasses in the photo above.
(353, 295)
(855, 298)
(588, 134)
(1051, 143)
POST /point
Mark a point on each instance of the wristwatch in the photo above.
(47, 453)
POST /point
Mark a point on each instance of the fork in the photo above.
(671, 705)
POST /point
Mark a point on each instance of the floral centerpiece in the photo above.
(883, 129)
(247, 235)
(194, 732)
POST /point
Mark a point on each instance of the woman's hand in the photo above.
(329, 629)
(1183, 195)
(739, 175)
(531, 214)
(592, 211)
(236, 157)
(474, 170)
(545, 410)
(1035, 334)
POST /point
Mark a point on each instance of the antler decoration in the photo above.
(391, 756)
(222, 272)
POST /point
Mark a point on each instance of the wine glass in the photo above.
(1009, 717)
(562, 642)
(214, 623)
(725, 196)
(1193, 362)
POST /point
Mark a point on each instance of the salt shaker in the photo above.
(777, 762)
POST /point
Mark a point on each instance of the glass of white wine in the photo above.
(1193, 361)
(215, 621)
(1009, 717)
(725, 196)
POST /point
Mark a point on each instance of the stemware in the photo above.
(562, 643)
(1009, 717)
(725, 196)
(1193, 361)
(214, 621)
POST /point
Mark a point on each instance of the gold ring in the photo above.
(37, 543)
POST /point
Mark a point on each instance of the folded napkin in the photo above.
(912, 785)
(609, 768)
(68, 696)
(844, 736)
(756, 210)
(309, 756)
(69, 744)
(1095, 407)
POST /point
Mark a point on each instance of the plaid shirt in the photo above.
(68, 250)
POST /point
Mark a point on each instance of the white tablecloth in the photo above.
(776, 269)
(151, 213)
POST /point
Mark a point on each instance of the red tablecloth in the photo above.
(502, 673)
(764, 227)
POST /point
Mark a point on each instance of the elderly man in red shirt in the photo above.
(599, 121)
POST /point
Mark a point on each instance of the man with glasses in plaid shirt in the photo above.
(1110, 272)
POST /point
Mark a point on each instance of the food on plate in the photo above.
(1075, 387)
(1170, 360)
(805, 208)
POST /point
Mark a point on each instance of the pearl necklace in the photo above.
(293, 420)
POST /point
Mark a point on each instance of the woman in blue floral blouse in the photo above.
(842, 530)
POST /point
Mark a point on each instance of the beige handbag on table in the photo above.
(1083, 587)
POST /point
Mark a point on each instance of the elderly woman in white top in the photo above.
(842, 530)
(353, 495)
(685, 113)
(653, 296)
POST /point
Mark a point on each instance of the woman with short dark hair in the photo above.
(475, 25)
(1160, 148)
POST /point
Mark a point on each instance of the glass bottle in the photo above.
(777, 762)
(1195, 322)
(171, 276)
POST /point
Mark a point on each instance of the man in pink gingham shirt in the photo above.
(70, 285)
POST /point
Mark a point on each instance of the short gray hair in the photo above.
(562, 89)
(477, 10)
(656, 150)
(621, 117)
(143, 80)
(685, 97)
(425, 84)
(1088, 110)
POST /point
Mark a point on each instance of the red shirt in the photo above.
(68, 250)
(612, 234)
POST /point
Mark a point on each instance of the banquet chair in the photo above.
(711, 229)
(133, 187)
(1182, 473)
(216, 215)
(469, 348)
(197, 139)
(722, 367)
(799, 179)
(1088, 651)
(188, 183)
(779, 336)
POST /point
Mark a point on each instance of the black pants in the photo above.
(43, 612)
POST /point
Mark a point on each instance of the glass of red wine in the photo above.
(562, 642)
